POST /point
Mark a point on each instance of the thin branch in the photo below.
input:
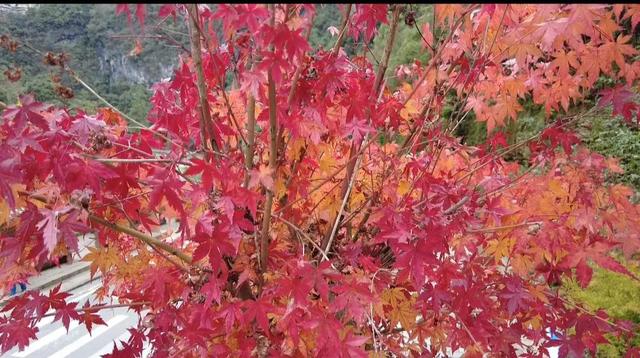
(273, 157)
(126, 230)
(230, 110)
(387, 49)
(583, 310)
(196, 53)
(327, 246)
(251, 138)
(471, 335)
(343, 30)
(351, 171)
(437, 56)
(143, 237)
(103, 307)
(456, 206)
(505, 227)
(93, 92)
(328, 178)
(282, 145)
(137, 160)
(304, 234)
(513, 147)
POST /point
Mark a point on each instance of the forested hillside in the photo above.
(101, 47)
(88, 34)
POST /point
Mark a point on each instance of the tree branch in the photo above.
(142, 237)
(273, 156)
(343, 30)
(130, 231)
(333, 231)
(282, 145)
(351, 170)
(102, 307)
(196, 54)
(251, 137)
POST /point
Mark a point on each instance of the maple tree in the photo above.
(322, 213)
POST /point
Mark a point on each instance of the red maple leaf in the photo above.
(166, 185)
(258, 310)
(235, 17)
(583, 273)
(28, 111)
(49, 227)
(621, 97)
(557, 135)
(89, 318)
(516, 295)
(17, 333)
(284, 39)
(66, 313)
(365, 19)
(85, 126)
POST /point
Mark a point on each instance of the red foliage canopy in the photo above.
(323, 213)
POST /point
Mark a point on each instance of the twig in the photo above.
(137, 160)
(583, 310)
(304, 234)
(342, 205)
(456, 206)
(436, 57)
(505, 227)
(343, 30)
(102, 307)
(230, 111)
(282, 145)
(470, 334)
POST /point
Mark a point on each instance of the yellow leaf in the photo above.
(296, 148)
(500, 248)
(325, 163)
(357, 198)
(447, 11)
(405, 314)
(4, 212)
(401, 307)
(393, 296)
(101, 259)
(408, 110)
(403, 187)
(279, 187)
(523, 264)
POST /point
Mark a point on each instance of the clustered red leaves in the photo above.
(438, 241)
